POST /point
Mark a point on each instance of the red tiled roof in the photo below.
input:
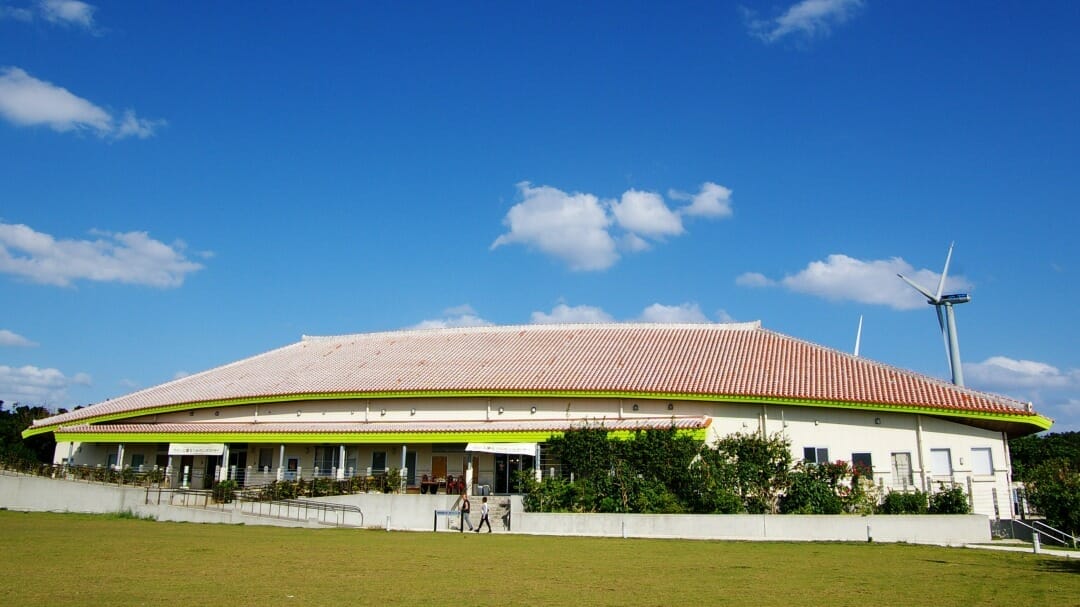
(538, 425)
(713, 361)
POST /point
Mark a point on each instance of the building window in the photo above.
(982, 462)
(901, 470)
(941, 462)
(326, 459)
(266, 458)
(137, 460)
(815, 455)
(863, 463)
(378, 461)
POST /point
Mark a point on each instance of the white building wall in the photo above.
(843, 432)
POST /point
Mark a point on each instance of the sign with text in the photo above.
(196, 449)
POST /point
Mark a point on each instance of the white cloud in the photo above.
(1052, 390)
(808, 19)
(181, 374)
(587, 233)
(682, 313)
(18, 14)
(34, 386)
(713, 200)
(723, 316)
(572, 227)
(458, 316)
(9, 338)
(68, 12)
(645, 213)
(843, 278)
(564, 314)
(754, 279)
(1001, 372)
(131, 257)
(27, 101)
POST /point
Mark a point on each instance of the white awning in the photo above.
(510, 448)
(196, 448)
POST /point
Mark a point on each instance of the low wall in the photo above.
(416, 513)
(401, 512)
(918, 529)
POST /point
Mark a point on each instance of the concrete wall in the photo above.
(416, 513)
(916, 529)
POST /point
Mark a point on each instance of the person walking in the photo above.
(483, 516)
(466, 507)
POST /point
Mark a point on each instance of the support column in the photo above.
(120, 457)
(223, 469)
(281, 463)
(71, 450)
(922, 462)
(468, 473)
(341, 463)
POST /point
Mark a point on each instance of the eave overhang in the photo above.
(1013, 423)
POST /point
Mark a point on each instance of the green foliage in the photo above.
(759, 468)
(585, 452)
(13, 447)
(649, 472)
(661, 471)
(1053, 488)
(1030, 452)
(224, 491)
(949, 500)
(899, 502)
(812, 489)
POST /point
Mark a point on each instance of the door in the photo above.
(410, 463)
(187, 468)
(238, 459)
(507, 467)
(438, 466)
(901, 470)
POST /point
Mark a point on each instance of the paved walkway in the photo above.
(1069, 554)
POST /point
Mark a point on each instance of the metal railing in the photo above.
(1056, 535)
(251, 501)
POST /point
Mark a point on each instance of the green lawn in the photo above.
(69, 559)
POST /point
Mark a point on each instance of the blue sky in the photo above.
(188, 184)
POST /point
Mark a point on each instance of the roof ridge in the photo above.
(714, 326)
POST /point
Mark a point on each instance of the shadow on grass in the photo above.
(1060, 566)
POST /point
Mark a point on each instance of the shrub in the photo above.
(1053, 489)
(224, 491)
(897, 502)
(949, 501)
(810, 491)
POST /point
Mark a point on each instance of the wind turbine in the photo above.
(946, 318)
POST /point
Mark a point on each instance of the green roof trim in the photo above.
(350, 438)
(1032, 419)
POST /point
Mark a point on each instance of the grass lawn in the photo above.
(70, 559)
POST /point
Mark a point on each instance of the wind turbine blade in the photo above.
(858, 336)
(928, 294)
(944, 336)
(945, 272)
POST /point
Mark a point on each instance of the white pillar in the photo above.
(281, 463)
(341, 463)
(223, 469)
(71, 449)
(468, 473)
(120, 457)
(538, 474)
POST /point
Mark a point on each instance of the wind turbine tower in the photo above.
(946, 317)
